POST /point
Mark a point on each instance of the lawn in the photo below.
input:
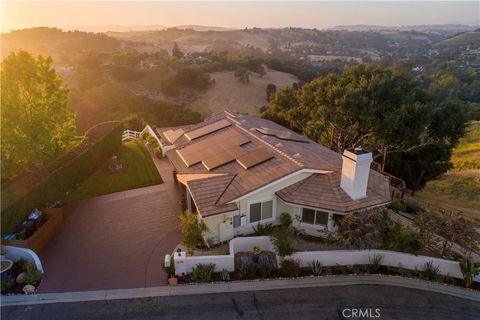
(459, 188)
(138, 170)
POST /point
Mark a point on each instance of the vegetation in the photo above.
(263, 229)
(32, 276)
(290, 268)
(50, 183)
(202, 272)
(138, 170)
(225, 275)
(400, 238)
(316, 267)
(430, 271)
(282, 238)
(36, 123)
(469, 270)
(192, 229)
(382, 111)
(375, 263)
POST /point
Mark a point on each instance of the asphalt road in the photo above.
(310, 303)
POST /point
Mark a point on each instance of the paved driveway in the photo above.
(115, 241)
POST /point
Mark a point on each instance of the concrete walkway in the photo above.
(115, 241)
(243, 286)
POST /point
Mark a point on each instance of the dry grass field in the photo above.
(228, 93)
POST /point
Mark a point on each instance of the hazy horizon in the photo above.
(235, 15)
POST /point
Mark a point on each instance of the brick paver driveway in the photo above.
(115, 241)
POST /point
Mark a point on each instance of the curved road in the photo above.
(308, 303)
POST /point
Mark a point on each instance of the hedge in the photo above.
(63, 177)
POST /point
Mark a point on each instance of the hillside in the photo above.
(459, 188)
(227, 93)
(462, 39)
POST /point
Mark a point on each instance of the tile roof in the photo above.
(289, 157)
(323, 191)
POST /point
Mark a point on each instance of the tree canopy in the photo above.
(380, 110)
(37, 123)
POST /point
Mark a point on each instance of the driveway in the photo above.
(115, 241)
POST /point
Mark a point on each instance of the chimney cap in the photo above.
(357, 150)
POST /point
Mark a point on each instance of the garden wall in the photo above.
(329, 258)
(50, 183)
(16, 253)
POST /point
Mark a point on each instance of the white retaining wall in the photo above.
(329, 258)
(17, 253)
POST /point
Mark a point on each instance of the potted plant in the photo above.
(172, 280)
(256, 253)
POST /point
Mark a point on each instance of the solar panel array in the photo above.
(282, 134)
(221, 149)
(200, 132)
(254, 158)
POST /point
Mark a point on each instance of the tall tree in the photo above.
(380, 110)
(37, 123)
(176, 51)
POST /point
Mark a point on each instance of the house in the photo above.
(239, 171)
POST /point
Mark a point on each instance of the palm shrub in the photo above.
(316, 267)
(202, 272)
(430, 271)
(470, 270)
(192, 229)
(375, 262)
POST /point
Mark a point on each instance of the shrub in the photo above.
(403, 239)
(398, 206)
(192, 229)
(202, 272)
(169, 270)
(263, 229)
(158, 151)
(225, 275)
(285, 220)
(316, 267)
(375, 263)
(430, 271)
(412, 207)
(32, 276)
(282, 243)
(290, 268)
(265, 270)
(469, 270)
(242, 272)
(8, 284)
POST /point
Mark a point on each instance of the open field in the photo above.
(459, 189)
(138, 170)
(229, 94)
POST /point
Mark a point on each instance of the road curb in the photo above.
(241, 286)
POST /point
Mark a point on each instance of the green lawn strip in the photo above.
(138, 170)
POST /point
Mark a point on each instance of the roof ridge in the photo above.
(237, 124)
(336, 188)
(224, 190)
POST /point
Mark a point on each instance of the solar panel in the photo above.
(215, 151)
(254, 158)
(282, 134)
(200, 132)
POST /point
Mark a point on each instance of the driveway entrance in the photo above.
(115, 241)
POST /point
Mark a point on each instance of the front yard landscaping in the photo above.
(137, 170)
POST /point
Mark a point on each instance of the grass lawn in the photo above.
(138, 170)
(460, 187)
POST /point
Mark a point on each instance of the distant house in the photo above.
(193, 59)
(239, 171)
(63, 69)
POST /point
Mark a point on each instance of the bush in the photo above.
(403, 239)
(169, 270)
(202, 272)
(290, 268)
(412, 207)
(282, 243)
(32, 276)
(375, 263)
(398, 206)
(7, 284)
(242, 272)
(158, 151)
(263, 229)
(316, 267)
(285, 220)
(265, 270)
(430, 271)
(49, 184)
(192, 229)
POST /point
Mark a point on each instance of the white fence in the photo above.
(329, 258)
(130, 135)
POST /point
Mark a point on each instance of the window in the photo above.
(261, 211)
(311, 216)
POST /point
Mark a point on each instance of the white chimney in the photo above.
(355, 172)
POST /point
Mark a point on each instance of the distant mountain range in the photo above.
(119, 28)
(421, 28)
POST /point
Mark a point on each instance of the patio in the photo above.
(115, 241)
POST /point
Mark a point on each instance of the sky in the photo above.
(235, 14)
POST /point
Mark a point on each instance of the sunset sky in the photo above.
(239, 14)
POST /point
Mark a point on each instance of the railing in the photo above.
(130, 135)
(397, 185)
